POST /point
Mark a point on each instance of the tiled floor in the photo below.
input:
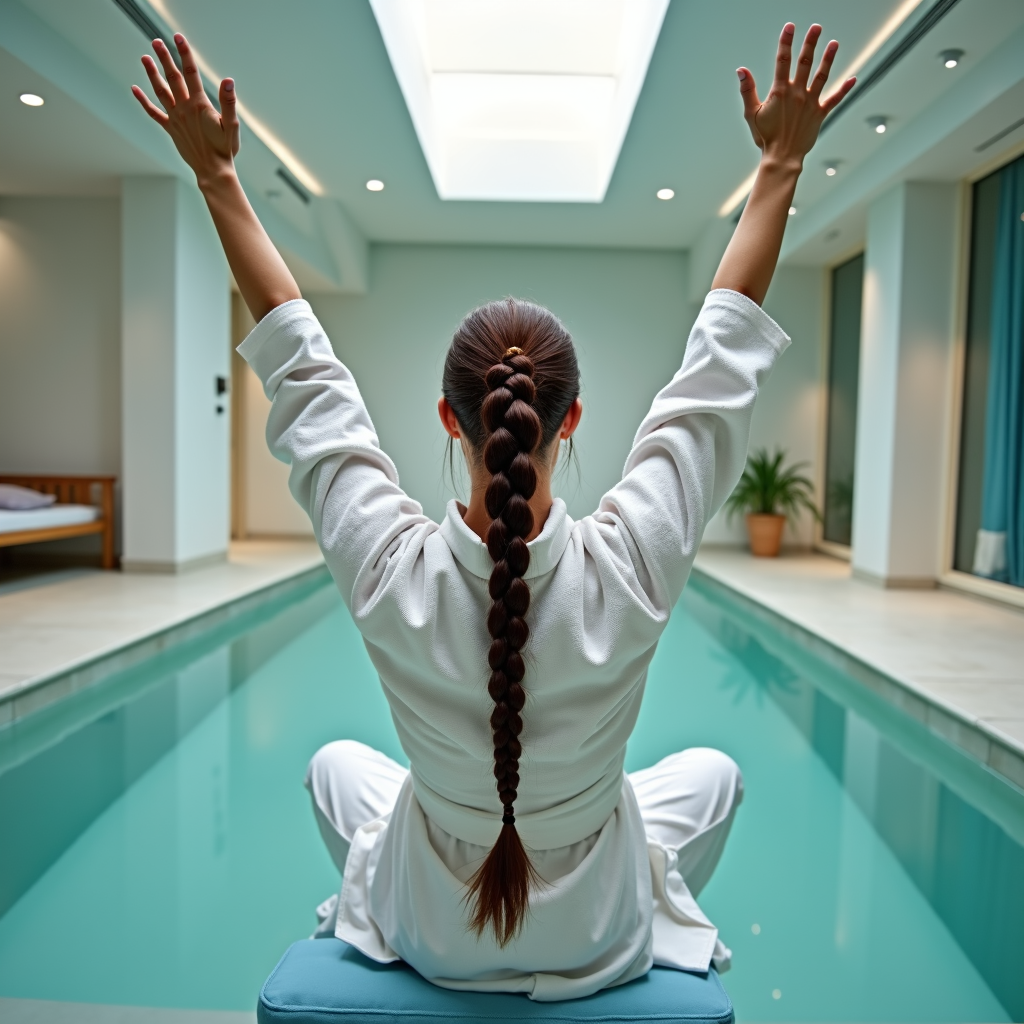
(49, 630)
(964, 654)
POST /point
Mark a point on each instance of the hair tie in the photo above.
(515, 350)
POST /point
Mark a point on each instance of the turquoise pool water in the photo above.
(158, 847)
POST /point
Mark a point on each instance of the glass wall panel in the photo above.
(989, 539)
(843, 368)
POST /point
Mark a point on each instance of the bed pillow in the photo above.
(21, 498)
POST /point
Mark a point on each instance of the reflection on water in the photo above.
(965, 864)
(76, 758)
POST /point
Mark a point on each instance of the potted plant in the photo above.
(769, 495)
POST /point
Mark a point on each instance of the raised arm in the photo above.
(785, 127)
(208, 142)
(318, 423)
(691, 448)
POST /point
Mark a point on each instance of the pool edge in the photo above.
(942, 718)
(43, 691)
(36, 1011)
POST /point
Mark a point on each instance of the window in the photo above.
(843, 369)
(989, 539)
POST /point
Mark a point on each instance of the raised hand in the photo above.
(207, 140)
(785, 127)
(786, 124)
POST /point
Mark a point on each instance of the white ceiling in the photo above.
(60, 148)
(317, 74)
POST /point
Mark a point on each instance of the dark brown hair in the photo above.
(510, 377)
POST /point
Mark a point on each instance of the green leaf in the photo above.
(767, 486)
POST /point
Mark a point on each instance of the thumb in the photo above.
(229, 113)
(748, 93)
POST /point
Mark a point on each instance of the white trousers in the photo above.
(687, 803)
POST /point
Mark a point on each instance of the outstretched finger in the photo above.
(805, 61)
(784, 58)
(149, 106)
(160, 87)
(824, 68)
(189, 67)
(229, 113)
(748, 93)
(174, 76)
(834, 100)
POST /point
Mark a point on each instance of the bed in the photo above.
(84, 505)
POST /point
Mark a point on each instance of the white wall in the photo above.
(175, 338)
(262, 505)
(60, 367)
(270, 509)
(203, 435)
(60, 317)
(60, 295)
(904, 399)
(628, 311)
(788, 411)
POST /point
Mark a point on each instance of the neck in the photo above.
(477, 519)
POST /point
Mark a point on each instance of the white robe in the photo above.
(601, 593)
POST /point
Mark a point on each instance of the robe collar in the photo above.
(545, 549)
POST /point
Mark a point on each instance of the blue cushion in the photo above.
(325, 981)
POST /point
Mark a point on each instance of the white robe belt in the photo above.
(550, 829)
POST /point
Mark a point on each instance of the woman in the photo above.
(513, 643)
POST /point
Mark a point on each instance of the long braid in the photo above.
(510, 404)
(502, 885)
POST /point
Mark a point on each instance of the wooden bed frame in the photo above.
(70, 490)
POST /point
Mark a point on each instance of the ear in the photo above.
(448, 418)
(571, 421)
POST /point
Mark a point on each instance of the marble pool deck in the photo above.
(58, 636)
(954, 661)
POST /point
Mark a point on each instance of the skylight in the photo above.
(520, 100)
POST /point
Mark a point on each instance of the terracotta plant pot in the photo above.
(765, 533)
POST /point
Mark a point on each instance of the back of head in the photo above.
(511, 376)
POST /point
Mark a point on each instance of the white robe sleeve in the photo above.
(319, 425)
(691, 448)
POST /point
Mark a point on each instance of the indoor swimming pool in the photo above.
(159, 850)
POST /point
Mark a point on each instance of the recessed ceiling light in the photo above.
(30, 99)
(878, 123)
(665, 193)
(792, 211)
(375, 185)
(950, 58)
